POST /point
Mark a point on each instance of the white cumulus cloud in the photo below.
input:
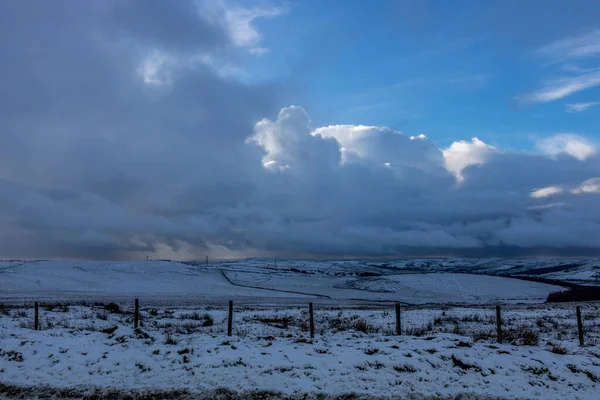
(379, 146)
(288, 143)
(462, 154)
(567, 143)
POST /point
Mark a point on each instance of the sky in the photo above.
(391, 128)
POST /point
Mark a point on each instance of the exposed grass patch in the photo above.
(188, 327)
(362, 325)
(372, 351)
(278, 321)
(142, 367)
(102, 315)
(419, 330)
(113, 308)
(405, 368)
(535, 370)
(237, 363)
(483, 336)
(340, 323)
(109, 331)
(457, 362)
(169, 339)
(12, 355)
(556, 349)
(574, 369)
(522, 335)
(56, 307)
(208, 320)
(302, 339)
(368, 365)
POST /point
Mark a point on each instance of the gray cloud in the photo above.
(107, 164)
(96, 162)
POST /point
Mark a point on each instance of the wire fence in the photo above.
(556, 324)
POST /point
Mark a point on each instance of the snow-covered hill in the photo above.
(577, 270)
(412, 282)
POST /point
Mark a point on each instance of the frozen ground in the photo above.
(443, 352)
(290, 281)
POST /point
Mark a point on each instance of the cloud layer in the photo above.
(126, 132)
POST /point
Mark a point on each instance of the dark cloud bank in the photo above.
(118, 139)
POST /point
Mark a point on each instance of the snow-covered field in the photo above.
(444, 351)
(448, 347)
(257, 281)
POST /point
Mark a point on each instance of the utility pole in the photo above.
(207, 261)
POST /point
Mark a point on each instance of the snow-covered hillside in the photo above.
(86, 279)
(580, 270)
(406, 288)
(257, 279)
(442, 352)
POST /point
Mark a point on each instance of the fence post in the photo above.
(136, 314)
(311, 320)
(499, 324)
(36, 317)
(230, 321)
(579, 326)
(398, 328)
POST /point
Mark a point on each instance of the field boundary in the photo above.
(323, 296)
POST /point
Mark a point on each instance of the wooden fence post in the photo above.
(230, 321)
(579, 326)
(36, 317)
(398, 328)
(311, 320)
(136, 314)
(499, 324)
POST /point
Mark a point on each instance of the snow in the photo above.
(270, 350)
(448, 320)
(408, 288)
(584, 274)
(261, 280)
(90, 278)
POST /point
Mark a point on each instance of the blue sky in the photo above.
(235, 128)
(449, 69)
